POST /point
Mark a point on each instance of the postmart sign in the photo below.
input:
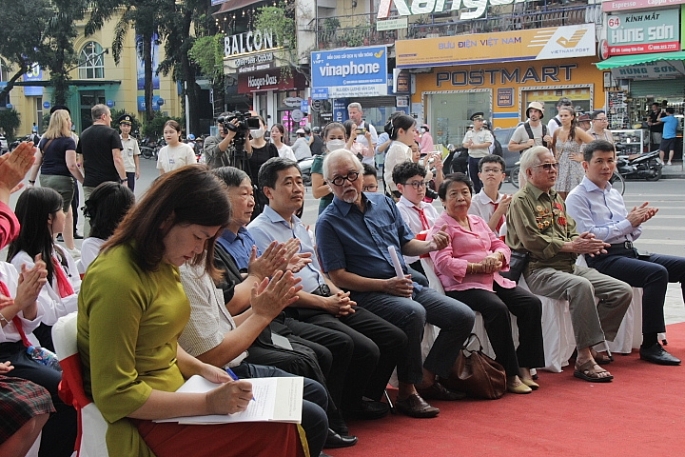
(475, 8)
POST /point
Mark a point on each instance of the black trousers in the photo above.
(652, 274)
(59, 433)
(495, 308)
(473, 174)
(377, 345)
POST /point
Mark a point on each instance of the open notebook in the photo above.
(276, 400)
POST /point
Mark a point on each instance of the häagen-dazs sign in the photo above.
(474, 8)
(251, 41)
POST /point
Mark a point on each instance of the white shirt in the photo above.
(552, 125)
(209, 318)
(52, 304)
(130, 150)
(482, 205)
(172, 158)
(369, 156)
(411, 217)
(398, 152)
(481, 136)
(9, 333)
(90, 249)
(286, 152)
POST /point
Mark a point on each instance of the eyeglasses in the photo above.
(492, 170)
(416, 184)
(548, 166)
(370, 188)
(340, 180)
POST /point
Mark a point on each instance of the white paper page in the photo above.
(269, 393)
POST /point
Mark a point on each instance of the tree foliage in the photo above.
(10, 120)
(207, 53)
(22, 36)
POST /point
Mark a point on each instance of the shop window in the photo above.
(449, 113)
(91, 62)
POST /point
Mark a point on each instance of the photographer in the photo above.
(216, 148)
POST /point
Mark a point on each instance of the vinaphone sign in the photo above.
(476, 7)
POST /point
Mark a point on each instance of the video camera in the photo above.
(246, 121)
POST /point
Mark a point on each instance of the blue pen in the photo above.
(236, 378)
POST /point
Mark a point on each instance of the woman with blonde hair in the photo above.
(56, 159)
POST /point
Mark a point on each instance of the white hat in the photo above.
(300, 131)
(538, 106)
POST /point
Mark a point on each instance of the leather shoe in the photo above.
(334, 440)
(530, 383)
(77, 236)
(368, 410)
(60, 238)
(520, 388)
(415, 406)
(439, 392)
(657, 354)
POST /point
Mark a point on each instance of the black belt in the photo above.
(625, 245)
(323, 290)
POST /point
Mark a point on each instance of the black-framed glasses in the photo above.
(370, 188)
(416, 184)
(549, 166)
(340, 180)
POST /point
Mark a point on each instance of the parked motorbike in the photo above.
(645, 165)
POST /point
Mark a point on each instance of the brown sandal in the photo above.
(601, 358)
(588, 372)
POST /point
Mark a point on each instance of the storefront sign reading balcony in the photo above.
(626, 5)
(534, 44)
(251, 41)
(643, 32)
(473, 8)
(354, 72)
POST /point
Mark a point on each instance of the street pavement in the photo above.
(664, 234)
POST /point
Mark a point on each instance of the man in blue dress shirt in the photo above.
(598, 208)
(353, 235)
(376, 342)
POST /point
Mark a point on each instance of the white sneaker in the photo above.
(668, 164)
(75, 253)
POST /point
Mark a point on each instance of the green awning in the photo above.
(637, 59)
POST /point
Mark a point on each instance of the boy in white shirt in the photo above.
(420, 216)
(489, 204)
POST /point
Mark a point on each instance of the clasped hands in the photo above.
(640, 214)
(586, 243)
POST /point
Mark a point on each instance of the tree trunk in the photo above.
(147, 60)
(191, 89)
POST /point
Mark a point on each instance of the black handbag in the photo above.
(517, 264)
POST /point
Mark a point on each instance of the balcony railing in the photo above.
(360, 30)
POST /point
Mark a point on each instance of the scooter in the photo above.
(645, 165)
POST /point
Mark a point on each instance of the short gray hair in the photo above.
(97, 111)
(355, 105)
(333, 157)
(531, 158)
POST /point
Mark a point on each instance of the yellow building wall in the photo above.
(124, 95)
(513, 85)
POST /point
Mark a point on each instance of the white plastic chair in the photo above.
(90, 441)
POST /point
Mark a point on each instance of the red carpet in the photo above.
(641, 413)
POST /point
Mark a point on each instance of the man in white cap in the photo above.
(533, 132)
(301, 146)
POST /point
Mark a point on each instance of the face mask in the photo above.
(257, 133)
(334, 145)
